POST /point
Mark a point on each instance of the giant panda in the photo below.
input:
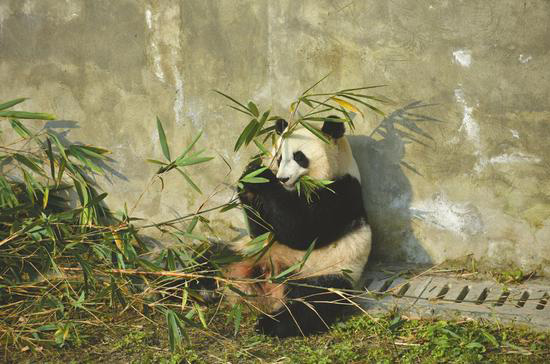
(334, 218)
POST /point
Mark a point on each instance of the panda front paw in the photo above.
(254, 164)
(278, 326)
(254, 186)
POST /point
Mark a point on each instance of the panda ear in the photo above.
(280, 126)
(334, 128)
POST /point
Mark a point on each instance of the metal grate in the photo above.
(431, 296)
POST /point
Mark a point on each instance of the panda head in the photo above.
(303, 154)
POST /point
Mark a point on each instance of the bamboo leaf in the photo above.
(307, 254)
(59, 146)
(201, 315)
(323, 119)
(239, 110)
(232, 99)
(253, 109)
(190, 161)
(236, 313)
(174, 333)
(255, 173)
(92, 152)
(254, 180)
(189, 180)
(314, 131)
(190, 146)
(316, 83)
(156, 162)
(362, 88)
(7, 105)
(162, 139)
(29, 163)
(229, 207)
(348, 106)
(261, 147)
(280, 277)
(20, 129)
(45, 197)
(27, 115)
(49, 153)
(244, 135)
(373, 108)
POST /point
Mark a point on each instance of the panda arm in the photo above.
(330, 216)
(297, 223)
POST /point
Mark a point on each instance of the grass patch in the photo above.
(385, 339)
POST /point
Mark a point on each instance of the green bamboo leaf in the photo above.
(264, 117)
(11, 103)
(97, 199)
(306, 101)
(192, 224)
(81, 156)
(255, 245)
(321, 111)
(29, 183)
(60, 172)
(254, 180)
(148, 265)
(316, 83)
(284, 274)
(26, 115)
(236, 313)
(49, 153)
(200, 314)
(261, 147)
(373, 108)
(244, 135)
(232, 99)
(253, 109)
(308, 252)
(229, 207)
(190, 146)
(29, 163)
(314, 131)
(92, 152)
(252, 134)
(361, 88)
(156, 162)
(45, 198)
(162, 139)
(190, 161)
(59, 146)
(174, 333)
(190, 181)
(323, 119)
(266, 130)
(20, 129)
(255, 173)
(239, 110)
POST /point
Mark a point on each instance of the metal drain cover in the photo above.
(435, 296)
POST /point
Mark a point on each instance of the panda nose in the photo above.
(283, 179)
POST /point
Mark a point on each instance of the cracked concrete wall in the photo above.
(481, 184)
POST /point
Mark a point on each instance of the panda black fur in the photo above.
(335, 219)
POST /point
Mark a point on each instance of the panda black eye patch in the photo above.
(301, 159)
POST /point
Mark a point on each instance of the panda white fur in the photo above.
(335, 219)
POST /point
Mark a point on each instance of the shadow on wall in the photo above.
(387, 192)
(61, 129)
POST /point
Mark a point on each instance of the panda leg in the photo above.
(310, 307)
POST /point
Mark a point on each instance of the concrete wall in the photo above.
(483, 186)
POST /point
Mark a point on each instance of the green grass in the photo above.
(360, 339)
